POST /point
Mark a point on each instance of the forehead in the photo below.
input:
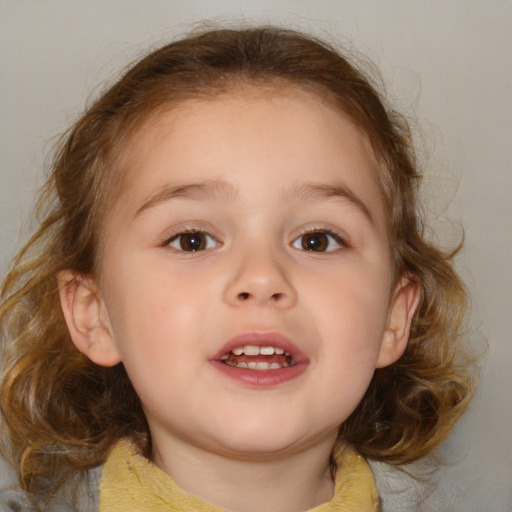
(240, 135)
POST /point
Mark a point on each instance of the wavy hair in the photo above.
(62, 412)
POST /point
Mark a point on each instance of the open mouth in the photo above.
(254, 357)
(261, 359)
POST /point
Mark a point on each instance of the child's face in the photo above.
(248, 222)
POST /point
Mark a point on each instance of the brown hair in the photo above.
(63, 412)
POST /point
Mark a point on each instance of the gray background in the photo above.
(447, 64)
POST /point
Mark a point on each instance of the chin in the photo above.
(258, 441)
(260, 450)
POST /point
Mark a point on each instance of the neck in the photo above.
(288, 483)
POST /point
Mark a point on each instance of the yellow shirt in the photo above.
(132, 483)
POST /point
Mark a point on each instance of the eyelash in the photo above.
(320, 241)
(325, 236)
(204, 242)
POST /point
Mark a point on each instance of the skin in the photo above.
(164, 312)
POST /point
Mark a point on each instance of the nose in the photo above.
(260, 279)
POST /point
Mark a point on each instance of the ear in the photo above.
(86, 318)
(396, 335)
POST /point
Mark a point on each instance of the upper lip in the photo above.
(261, 339)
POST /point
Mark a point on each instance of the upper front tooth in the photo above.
(251, 350)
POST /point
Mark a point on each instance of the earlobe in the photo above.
(86, 318)
(396, 336)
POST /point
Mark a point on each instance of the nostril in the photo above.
(243, 296)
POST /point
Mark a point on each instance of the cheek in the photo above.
(152, 336)
(154, 310)
(350, 318)
(350, 301)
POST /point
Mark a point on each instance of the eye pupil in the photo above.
(315, 242)
(193, 242)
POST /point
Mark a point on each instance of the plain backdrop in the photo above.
(447, 64)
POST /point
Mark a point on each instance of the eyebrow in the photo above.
(221, 190)
(319, 191)
(205, 191)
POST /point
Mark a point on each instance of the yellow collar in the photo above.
(131, 482)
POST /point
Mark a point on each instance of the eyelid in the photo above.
(340, 238)
(210, 243)
(190, 227)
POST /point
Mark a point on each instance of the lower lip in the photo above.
(261, 378)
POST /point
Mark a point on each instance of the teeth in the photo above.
(259, 365)
(253, 350)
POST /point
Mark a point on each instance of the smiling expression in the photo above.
(245, 277)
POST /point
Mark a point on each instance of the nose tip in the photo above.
(260, 280)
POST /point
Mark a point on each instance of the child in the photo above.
(229, 303)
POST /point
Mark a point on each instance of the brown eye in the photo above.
(192, 241)
(315, 242)
(319, 241)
